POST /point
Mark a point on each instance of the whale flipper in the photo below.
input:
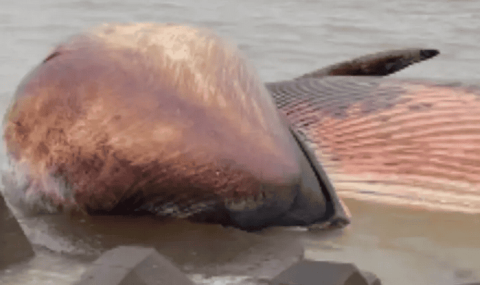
(388, 140)
(377, 64)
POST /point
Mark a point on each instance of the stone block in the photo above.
(14, 245)
(372, 279)
(307, 272)
(129, 265)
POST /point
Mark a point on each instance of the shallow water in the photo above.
(283, 39)
(401, 245)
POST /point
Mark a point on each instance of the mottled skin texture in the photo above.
(161, 119)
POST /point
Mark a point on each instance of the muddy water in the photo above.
(283, 39)
(401, 245)
(407, 246)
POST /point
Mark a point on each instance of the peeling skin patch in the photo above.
(394, 141)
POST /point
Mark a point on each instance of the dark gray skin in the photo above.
(376, 64)
(114, 125)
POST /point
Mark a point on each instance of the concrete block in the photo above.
(14, 245)
(129, 265)
(372, 279)
(307, 272)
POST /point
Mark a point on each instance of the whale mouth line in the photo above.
(334, 211)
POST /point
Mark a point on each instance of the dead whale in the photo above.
(166, 120)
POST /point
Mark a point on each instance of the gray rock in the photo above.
(308, 272)
(14, 245)
(128, 265)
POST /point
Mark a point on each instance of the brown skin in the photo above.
(114, 124)
(122, 134)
